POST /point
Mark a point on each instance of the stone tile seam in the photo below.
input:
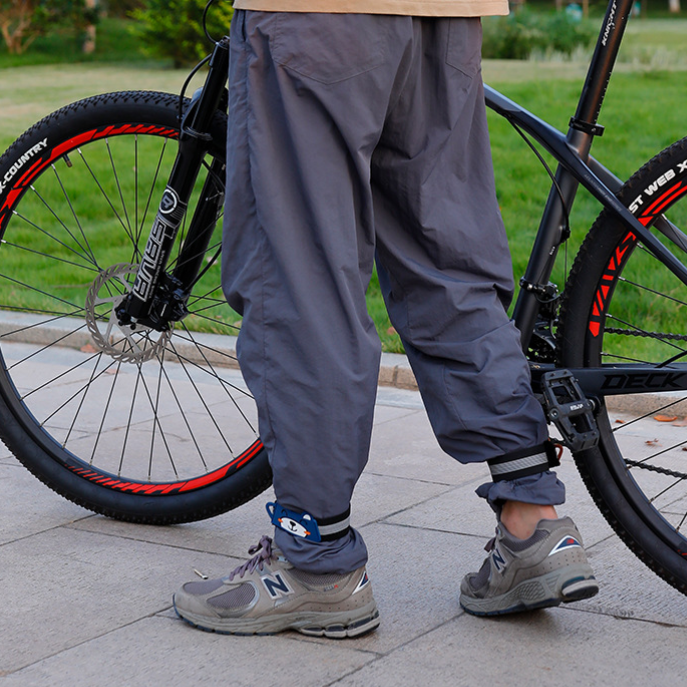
(115, 535)
(449, 485)
(86, 641)
(387, 654)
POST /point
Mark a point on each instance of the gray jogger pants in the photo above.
(354, 138)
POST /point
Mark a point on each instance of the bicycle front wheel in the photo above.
(135, 424)
(621, 305)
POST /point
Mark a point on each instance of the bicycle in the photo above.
(141, 297)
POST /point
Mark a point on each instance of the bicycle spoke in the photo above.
(156, 422)
(652, 291)
(54, 238)
(29, 287)
(638, 331)
(128, 424)
(153, 185)
(83, 388)
(214, 302)
(105, 413)
(214, 320)
(87, 248)
(205, 405)
(654, 411)
(183, 415)
(119, 189)
(49, 255)
(215, 374)
(87, 388)
(201, 346)
(42, 323)
(107, 198)
(212, 373)
(55, 342)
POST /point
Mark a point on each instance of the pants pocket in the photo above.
(464, 46)
(328, 47)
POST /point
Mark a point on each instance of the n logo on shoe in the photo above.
(498, 560)
(276, 585)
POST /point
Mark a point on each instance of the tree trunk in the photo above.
(89, 40)
(674, 6)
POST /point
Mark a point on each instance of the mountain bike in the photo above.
(119, 386)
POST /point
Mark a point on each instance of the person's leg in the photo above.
(307, 103)
(444, 263)
(296, 263)
(521, 519)
(445, 271)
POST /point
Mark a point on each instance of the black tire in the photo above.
(621, 306)
(132, 425)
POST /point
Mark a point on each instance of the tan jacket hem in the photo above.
(418, 8)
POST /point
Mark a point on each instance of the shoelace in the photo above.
(263, 549)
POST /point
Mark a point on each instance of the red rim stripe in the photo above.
(163, 488)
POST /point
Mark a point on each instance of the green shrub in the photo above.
(518, 35)
(174, 28)
(121, 8)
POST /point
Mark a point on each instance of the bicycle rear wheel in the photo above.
(621, 305)
(135, 424)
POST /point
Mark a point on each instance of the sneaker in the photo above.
(267, 594)
(523, 574)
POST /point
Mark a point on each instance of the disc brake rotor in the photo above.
(129, 344)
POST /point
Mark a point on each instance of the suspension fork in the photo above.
(158, 298)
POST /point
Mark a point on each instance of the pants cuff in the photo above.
(544, 489)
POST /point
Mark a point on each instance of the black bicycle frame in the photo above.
(158, 299)
(576, 167)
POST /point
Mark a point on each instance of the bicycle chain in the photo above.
(651, 335)
(654, 468)
(654, 335)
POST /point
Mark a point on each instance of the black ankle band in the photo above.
(523, 463)
(335, 527)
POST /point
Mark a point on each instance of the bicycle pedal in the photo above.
(569, 409)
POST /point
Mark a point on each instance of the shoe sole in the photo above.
(313, 624)
(569, 584)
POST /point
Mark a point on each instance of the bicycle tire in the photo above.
(136, 425)
(621, 305)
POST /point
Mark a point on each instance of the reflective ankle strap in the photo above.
(523, 463)
(302, 524)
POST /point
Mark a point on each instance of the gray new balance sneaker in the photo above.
(523, 574)
(270, 595)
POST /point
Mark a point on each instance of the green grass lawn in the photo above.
(644, 112)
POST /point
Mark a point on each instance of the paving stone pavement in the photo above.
(86, 601)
